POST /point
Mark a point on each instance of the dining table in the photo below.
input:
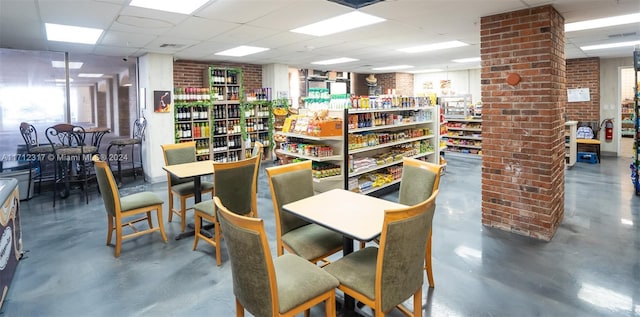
(193, 170)
(354, 215)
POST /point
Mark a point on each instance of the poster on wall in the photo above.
(578, 95)
(162, 100)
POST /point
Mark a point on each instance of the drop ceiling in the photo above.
(223, 24)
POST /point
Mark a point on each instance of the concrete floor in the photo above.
(590, 268)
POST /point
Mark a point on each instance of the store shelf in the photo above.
(375, 189)
(464, 146)
(388, 127)
(312, 158)
(310, 137)
(328, 179)
(372, 110)
(464, 137)
(381, 146)
(377, 167)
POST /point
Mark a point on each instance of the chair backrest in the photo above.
(139, 127)
(66, 135)
(419, 180)
(29, 134)
(178, 153)
(252, 270)
(289, 183)
(235, 183)
(108, 187)
(400, 262)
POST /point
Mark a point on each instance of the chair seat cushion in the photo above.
(357, 271)
(299, 280)
(77, 150)
(125, 141)
(312, 241)
(139, 200)
(207, 207)
(186, 189)
(41, 149)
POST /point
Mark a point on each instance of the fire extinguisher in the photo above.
(608, 129)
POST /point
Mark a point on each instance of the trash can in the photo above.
(25, 181)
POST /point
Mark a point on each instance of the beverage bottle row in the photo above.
(183, 114)
(220, 144)
(183, 131)
(219, 112)
(254, 125)
(202, 147)
(233, 93)
(201, 130)
(221, 77)
(223, 157)
(235, 142)
(191, 94)
(233, 111)
(200, 112)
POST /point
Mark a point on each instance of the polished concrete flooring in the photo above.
(590, 268)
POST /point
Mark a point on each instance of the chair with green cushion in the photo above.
(235, 183)
(384, 277)
(420, 179)
(119, 208)
(289, 183)
(266, 286)
(180, 153)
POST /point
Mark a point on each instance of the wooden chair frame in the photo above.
(199, 216)
(182, 212)
(257, 225)
(375, 304)
(116, 223)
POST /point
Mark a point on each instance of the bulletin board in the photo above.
(578, 95)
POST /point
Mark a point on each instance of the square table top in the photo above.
(355, 215)
(191, 169)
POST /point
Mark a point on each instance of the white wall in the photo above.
(462, 82)
(276, 77)
(610, 98)
(156, 73)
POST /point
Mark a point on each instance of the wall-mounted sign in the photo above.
(578, 95)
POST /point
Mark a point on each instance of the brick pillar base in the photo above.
(523, 124)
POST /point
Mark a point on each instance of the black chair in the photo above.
(72, 158)
(37, 152)
(139, 127)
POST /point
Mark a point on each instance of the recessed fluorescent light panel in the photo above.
(335, 61)
(428, 70)
(72, 34)
(601, 23)
(466, 60)
(433, 47)
(72, 65)
(182, 6)
(395, 67)
(90, 75)
(340, 23)
(610, 45)
(242, 50)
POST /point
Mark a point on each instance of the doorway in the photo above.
(627, 114)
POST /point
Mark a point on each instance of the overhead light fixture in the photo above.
(395, 67)
(466, 60)
(85, 75)
(340, 23)
(59, 80)
(610, 45)
(72, 65)
(72, 34)
(428, 70)
(433, 47)
(356, 4)
(601, 23)
(182, 6)
(242, 50)
(335, 61)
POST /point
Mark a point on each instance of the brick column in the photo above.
(523, 124)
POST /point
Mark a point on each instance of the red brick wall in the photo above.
(584, 73)
(191, 73)
(523, 125)
(401, 82)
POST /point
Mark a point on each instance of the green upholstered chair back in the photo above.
(234, 186)
(416, 185)
(401, 255)
(108, 190)
(289, 187)
(249, 262)
(180, 156)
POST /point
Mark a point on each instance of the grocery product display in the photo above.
(192, 118)
(462, 125)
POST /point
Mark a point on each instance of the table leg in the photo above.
(197, 197)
